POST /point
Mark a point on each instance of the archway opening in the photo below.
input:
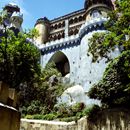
(62, 62)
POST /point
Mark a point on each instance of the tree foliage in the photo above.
(118, 33)
(43, 94)
(114, 88)
(19, 58)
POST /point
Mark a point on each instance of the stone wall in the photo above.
(116, 119)
(9, 118)
(9, 115)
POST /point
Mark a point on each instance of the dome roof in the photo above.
(42, 20)
(89, 3)
(12, 7)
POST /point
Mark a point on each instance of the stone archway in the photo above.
(62, 62)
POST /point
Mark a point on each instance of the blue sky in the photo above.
(34, 9)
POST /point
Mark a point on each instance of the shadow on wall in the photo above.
(112, 119)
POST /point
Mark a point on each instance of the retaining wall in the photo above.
(115, 119)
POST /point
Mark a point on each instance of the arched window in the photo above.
(59, 25)
(59, 36)
(71, 21)
(80, 18)
(76, 20)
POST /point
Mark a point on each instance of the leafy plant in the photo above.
(113, 89)
(50, 116)
(42, 96)
(78, 107)
(118, 34)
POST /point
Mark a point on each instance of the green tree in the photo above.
(118, 33)
(114, 88)
(19, 58)
(42, 96)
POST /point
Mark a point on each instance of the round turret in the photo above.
(16, 19)
(97, 8)
(90, 3)
(42, 25)
(11, 8)
(13, 17)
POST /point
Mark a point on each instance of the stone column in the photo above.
(66, 28)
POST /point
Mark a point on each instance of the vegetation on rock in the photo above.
(114, 88)
(63, 112)
(41, 97)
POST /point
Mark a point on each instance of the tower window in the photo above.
(95, 14)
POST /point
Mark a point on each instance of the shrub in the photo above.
(29, 117)
(63, 110)
(78, 107)
(50, 116)
(92, 112)
(38, 116)
(34, 107)
(79, 114)
(69, 119)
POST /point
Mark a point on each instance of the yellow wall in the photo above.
(9, 116)
(9, 119)
(43, 33)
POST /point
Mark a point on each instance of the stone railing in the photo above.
(114, 119)
(53, 125)
(9, 115)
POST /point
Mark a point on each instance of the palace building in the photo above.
(64, 40)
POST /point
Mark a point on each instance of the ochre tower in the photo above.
(42, 26)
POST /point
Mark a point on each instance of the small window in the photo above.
(95, 14)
